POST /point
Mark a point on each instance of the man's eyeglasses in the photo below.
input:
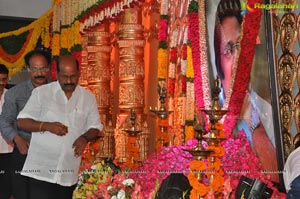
(35, 69)
(230, 48)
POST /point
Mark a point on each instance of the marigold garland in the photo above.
(199, 189)
(189, 132)
(13, 58)
(38, 27)
(162, 63)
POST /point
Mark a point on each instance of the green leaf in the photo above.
(13, 44)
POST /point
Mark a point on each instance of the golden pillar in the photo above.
(98, 76)
(131, 88)
(83, 80)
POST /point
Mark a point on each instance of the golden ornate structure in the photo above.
(287, 58)
(131, 88)
(95, 76)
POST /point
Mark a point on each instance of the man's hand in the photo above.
(56, 128)
(22, 144)
(79, 146)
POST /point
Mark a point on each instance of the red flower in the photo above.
(163, 30)
(193, 35)
(173, 55)
(171, 86)
(183, 86)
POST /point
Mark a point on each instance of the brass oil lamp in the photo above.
(132, 131)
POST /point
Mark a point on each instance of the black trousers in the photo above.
(20, 184)
(46, 190)
(5, 175)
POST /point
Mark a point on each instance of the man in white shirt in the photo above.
(38, 65)
(62, 117)
(6, 147)
(291, 175)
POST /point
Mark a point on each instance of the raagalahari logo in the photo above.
(245, 8)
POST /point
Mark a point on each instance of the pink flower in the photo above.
(191, 143)
(227, 187)
(210, 195)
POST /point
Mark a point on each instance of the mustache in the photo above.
(40, 77)
(69, 84)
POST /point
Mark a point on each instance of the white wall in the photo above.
(24, 8)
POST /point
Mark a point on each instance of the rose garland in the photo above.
(239, 159)
(193, 35)
(250, 28)
(160, 165)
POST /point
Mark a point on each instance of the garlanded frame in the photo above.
(252, 69)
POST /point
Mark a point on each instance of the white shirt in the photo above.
(50, 157)
(5, 147)
(291, 168)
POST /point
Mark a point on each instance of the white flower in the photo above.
(121, 194)
(128, 182)
(113, 197)
(109, 188)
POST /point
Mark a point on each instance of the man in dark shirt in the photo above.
(38, 63)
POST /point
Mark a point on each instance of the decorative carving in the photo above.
(102, 92)
(287, 143)
(131, 95)
(288, 32)
(131, 69)
(276, 31)
(98, 71)
(296, 140)
(97, 75)
(106, 143)
(289, 2)
(286, 106)
(143, 142)
(131, 90)
(298, 70)
(127, 52)
(298, 28)
(131, 43)
(287, 71)
(297, 112)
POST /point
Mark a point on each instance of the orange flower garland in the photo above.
(16, 62)
(199, 189)
(55, 44)
(13, 58)
(189, 132)
(162, 63)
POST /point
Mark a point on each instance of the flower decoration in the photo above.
(39, 28)
(89, 180)
(159, 166)
(239, 159)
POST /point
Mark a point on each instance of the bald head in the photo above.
(67, 60)
(68, 73)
